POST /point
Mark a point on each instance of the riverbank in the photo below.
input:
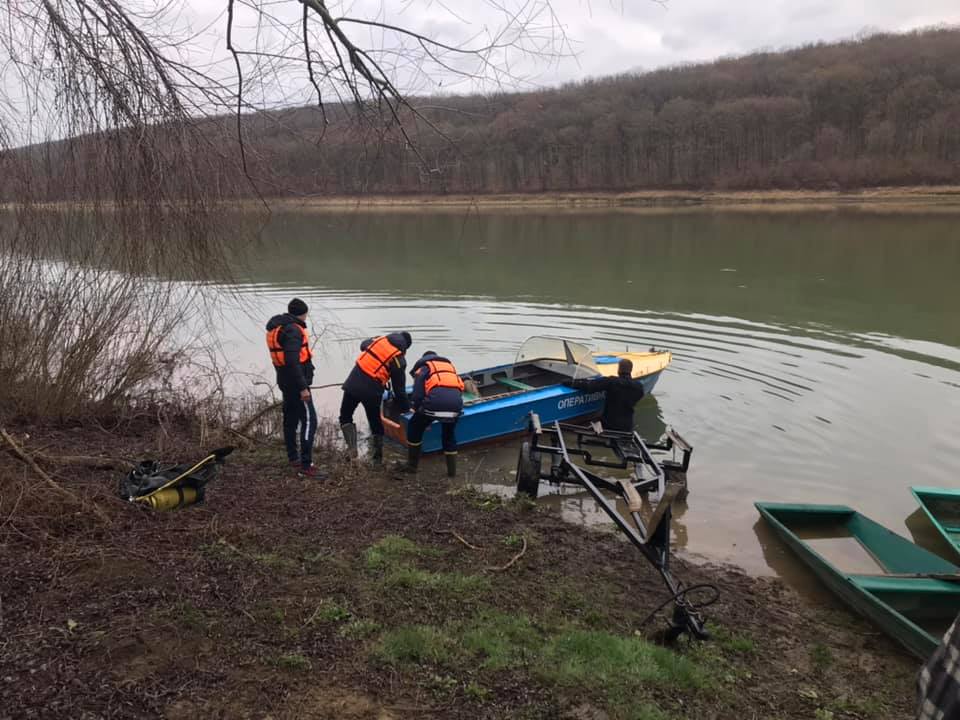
(362, 596)
(888, 199)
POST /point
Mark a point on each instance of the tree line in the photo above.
(882, 109)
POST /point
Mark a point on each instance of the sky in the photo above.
(535, 44)
(605, 36)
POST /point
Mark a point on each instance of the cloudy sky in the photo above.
(646, 35)
(537, 43)
(607, 36)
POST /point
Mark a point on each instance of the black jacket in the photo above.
(622, 394)
(292, 375)
(367, 389)
(441, 399)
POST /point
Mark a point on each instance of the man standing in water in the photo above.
(382, 362)
(437, 395)
(623, 393)
(290, 354)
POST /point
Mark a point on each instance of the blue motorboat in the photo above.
(498, 400)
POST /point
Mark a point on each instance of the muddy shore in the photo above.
(879, 199)
(366, 597)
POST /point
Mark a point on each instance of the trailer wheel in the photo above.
(528, 471)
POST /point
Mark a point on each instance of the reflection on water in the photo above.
(816, 356)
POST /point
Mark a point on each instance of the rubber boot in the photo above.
(349, 431)
(451, 464)
(412, 463)
(376, 452)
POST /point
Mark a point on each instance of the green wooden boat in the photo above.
(942, 506)
(910, 593)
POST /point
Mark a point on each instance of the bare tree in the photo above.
(117, 167)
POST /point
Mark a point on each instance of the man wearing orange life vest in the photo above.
(290, 354)
(382, 362)
(437, 395)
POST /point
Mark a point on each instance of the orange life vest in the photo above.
(442, 374)
(276, 349)
(375, 360)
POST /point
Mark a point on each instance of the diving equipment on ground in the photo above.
(173, 486)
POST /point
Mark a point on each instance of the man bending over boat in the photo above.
(623, 393)
(381, 362)
(437, 395)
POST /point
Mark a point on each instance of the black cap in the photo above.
(297, 307)
(406, 336)
(625, 368)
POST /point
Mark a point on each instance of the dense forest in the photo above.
(877, 110)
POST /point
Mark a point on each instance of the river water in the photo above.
(816, 353)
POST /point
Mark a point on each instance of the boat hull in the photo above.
(902, 599)
(499, 418)
(942, 506)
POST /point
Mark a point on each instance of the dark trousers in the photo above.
(371, 407)
(302, 415)
(418, 426)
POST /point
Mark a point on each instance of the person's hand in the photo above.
(305, 394)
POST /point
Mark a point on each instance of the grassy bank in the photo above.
(363, 596)
(925, 198)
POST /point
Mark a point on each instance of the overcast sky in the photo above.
(646, 35)
(605, 37)
(611, 36)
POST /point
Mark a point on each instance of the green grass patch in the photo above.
(593, 658)
(476, 498)
(513, 540)
(567, 598)
(731, 641)
(454, 583)
(293, 662)
(501, 640)
(414, 644)
(359, 629)
(329, 610)
(622, 668)
(441, 685)
(394, 550)
(476, 692)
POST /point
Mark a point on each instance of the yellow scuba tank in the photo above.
(172, 498)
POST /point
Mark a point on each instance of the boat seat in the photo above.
(515, 384)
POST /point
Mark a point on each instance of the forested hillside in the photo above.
(881, 110)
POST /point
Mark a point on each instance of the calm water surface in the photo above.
(816, 354)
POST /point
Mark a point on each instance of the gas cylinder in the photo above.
(173, 498)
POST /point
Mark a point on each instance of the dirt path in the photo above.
(361, 597)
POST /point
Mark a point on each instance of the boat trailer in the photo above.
(665, 478)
